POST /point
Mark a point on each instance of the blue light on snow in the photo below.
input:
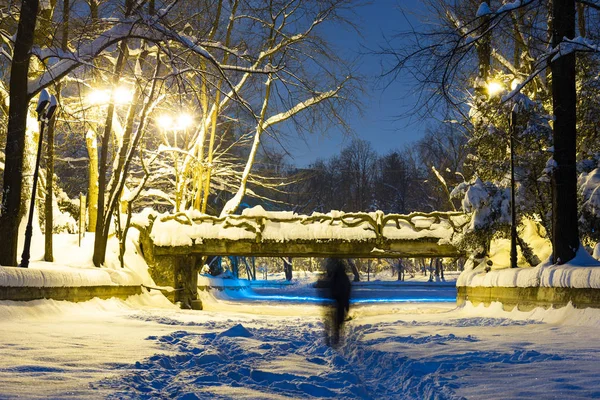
(407, 300)
(312, 299)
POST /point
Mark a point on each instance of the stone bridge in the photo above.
(174, 245)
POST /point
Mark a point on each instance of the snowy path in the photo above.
(405, 351)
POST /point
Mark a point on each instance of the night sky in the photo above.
(381, 122)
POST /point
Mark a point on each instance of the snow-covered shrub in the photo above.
(489, 206)
(65, 213)
(589, 190)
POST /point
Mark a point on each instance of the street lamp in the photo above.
(513, 214)
(45, 109)
(494, 88)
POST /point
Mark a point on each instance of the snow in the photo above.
(41, 276)
(484, 9)
(581, 272)
(589, 186)
(146, 348)
(511, 6)
(73, 265)
(264, 340)
(288, 226)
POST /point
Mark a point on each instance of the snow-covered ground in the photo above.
(147, 348)
(406, 340)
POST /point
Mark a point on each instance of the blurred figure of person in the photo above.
(336, 288)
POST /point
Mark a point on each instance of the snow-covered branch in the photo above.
(275, 119)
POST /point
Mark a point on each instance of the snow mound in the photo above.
(236, 331)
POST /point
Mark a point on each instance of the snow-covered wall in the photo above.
(582, 272)
(55, 276)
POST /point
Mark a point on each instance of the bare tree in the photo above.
(15, 140)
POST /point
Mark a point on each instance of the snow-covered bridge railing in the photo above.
(174, 244)
(260, 233)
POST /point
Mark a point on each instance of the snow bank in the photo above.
(567, 315)
(52, 276)
(36, 309)
(73, 266)
(581, 272)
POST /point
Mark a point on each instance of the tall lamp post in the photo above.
(45, 110)
(513, 214)
(493, 89)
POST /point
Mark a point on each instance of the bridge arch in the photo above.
(173, 244)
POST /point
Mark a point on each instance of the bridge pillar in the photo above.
(175, 270)
(185, 274)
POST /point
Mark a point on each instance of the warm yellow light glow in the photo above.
(494, 88)
(98, 97)
(165, 122)
(123, 95)
(184, 121)
(179, 123)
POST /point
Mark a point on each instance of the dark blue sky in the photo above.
(379, 122)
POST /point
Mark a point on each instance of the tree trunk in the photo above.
(565, 241)
(92, 148)
(287, 268)
(93, 9)
(581, 19)
(484, 48)
(15, 137)
(102, 223)
(49, 217)
(100, 241)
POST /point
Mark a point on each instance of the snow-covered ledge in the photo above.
(582, 272)
(577, 282)
(52, 281)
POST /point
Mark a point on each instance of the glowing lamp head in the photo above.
(184, 121)
(98, 97)
(165, 122)
(123, 95)
(494, 88)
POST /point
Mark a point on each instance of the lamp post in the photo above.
(494, 88)
(513, 214)
(45, 110)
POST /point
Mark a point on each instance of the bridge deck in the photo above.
(260, 233)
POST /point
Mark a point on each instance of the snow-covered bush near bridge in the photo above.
(489, 206)
(589, 189)
(64, 214)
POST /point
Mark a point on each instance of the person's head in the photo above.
(334, 264)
